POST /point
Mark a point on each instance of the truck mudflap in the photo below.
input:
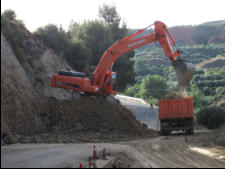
(169, 125)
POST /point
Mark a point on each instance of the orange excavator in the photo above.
(104, 81)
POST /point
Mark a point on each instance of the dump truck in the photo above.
(176, 115)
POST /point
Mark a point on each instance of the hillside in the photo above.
(206, 33)
(28, 115)
(19, 101)
(218, 62)
(26, 85)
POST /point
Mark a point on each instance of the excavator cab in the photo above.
(112, 85)
(184, 71)
(114, 82)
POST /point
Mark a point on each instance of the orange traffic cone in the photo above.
(90, 162)
(81, 165)
(94, 153)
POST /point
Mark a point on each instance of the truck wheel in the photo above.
(162, 133)
(191, 131)
(167, 133)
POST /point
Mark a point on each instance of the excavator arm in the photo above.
(114, 52)
(102, 80)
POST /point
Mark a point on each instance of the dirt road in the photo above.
(172, 151)
(203, 150)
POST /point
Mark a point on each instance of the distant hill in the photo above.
(183, 35)
(214, 22)
(212, 32)
(218, 62)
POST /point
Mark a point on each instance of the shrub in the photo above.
(212, 117)
(13, 30)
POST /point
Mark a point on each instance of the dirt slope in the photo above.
(88, 120)
(19, 101)
(216, 39)
(27, 114)
(212, 63)
(25, 86)
(40, 63)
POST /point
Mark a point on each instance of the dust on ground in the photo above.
(205, 149)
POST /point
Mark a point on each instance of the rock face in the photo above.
(18, 98)
(24, 86)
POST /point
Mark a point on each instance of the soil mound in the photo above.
(92, 120)
(174, 95)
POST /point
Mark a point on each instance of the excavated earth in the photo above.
(29, 116)
(84, 120)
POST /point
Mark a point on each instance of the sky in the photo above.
(135, 13)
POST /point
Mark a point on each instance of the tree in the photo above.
(153, 85)
(77, 56)
(125, 69)
(124, 66)
(54, 37)
(14, 31)
(133, 91)
(109, 15)
(212, 117)
(140, 67)
(94, 36)
(10, 14)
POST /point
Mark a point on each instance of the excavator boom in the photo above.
(103, 80)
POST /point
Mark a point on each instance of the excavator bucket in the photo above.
(185, 72)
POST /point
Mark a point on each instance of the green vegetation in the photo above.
(152, 86)
(142, 69)
(14, 31)
(84, 44)
(203, 33)
(193, 54)
(207, 87)
(212, 117)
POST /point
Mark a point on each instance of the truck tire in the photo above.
(191, 131)
(164, 133)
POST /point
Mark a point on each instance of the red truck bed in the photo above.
(177, 114)
(175, 109)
